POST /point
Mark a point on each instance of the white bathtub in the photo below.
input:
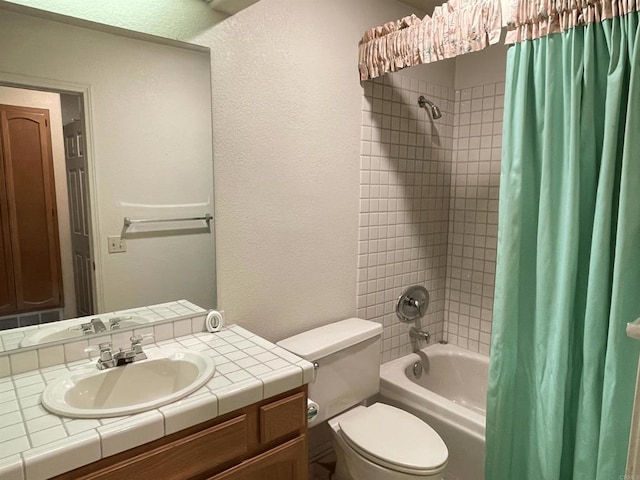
(450, 395)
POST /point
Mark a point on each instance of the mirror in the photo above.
(138, 111)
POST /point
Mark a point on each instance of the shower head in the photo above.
(435, 111)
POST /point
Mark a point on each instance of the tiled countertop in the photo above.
(35, 444)
(12, 339)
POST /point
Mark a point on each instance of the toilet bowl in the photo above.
(379, 442)
(382, 442)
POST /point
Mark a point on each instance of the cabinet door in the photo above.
(286, 462)
(27, 164)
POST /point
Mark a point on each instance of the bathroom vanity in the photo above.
(266, 440)
(247, 422)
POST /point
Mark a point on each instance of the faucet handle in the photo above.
(92, 349)
(86, 328)
(138, 340)
(104, 349)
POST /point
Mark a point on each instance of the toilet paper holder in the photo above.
(313, 409)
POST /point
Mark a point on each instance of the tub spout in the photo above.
(419, 334)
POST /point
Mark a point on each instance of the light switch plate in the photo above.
(116, 244)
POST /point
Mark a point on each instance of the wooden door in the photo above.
(7, 283)
(77, 185)
(29, 188)
(285, 462)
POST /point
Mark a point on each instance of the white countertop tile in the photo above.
(10, 406)
(242, 393)
(9, 447)
(12, 468)
(281, 380)
(5, 384)
(11, 432)
(34, 412)
(131, 432)
(10, 418)
(248, 369)
(7, 396)
(41, 423)
(188, 412)
(42, 437)
(61, 456)
(79, 425)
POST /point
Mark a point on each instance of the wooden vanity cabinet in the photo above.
(264, 441)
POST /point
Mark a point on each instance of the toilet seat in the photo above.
(395, 439)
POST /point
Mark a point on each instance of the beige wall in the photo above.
(481, 68)
(51, 102)
(150, 119)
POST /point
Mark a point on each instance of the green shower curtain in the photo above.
(562, 371)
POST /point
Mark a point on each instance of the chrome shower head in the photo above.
(435, 111)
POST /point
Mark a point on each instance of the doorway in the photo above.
(66, 110)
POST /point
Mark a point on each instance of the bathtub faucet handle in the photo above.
(412, 302)
(419, 334)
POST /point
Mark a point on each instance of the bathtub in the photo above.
(450, 395)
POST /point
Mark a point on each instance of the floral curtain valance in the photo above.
(531, 19)
(455, 28)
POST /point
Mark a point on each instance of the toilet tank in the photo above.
(347, 354)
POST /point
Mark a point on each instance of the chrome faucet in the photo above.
(108, 359)
(98, 325)
(94, 326)
(114, 323)
(419, 334)
(106, 356)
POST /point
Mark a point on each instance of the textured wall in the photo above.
(287, 118)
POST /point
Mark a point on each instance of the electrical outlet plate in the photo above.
(116, 244)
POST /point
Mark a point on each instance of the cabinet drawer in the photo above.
(284, 462)
(283, 417)
(187, 457)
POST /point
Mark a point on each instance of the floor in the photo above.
(320, 471)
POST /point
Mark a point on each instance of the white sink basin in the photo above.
(133, 388)
(54, 332)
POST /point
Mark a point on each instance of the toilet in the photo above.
(378, 442)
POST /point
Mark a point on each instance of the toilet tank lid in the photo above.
(322, 341)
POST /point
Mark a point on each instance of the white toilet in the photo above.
(378, 442)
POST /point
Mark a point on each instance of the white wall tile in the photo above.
(5, 366)
(23, 361)
(49, 356)
(428, 203)
(471, 253)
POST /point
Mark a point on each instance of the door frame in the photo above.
(58, 86)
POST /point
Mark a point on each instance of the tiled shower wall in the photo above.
(428, 208)
(473, 216)
(404, 204)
